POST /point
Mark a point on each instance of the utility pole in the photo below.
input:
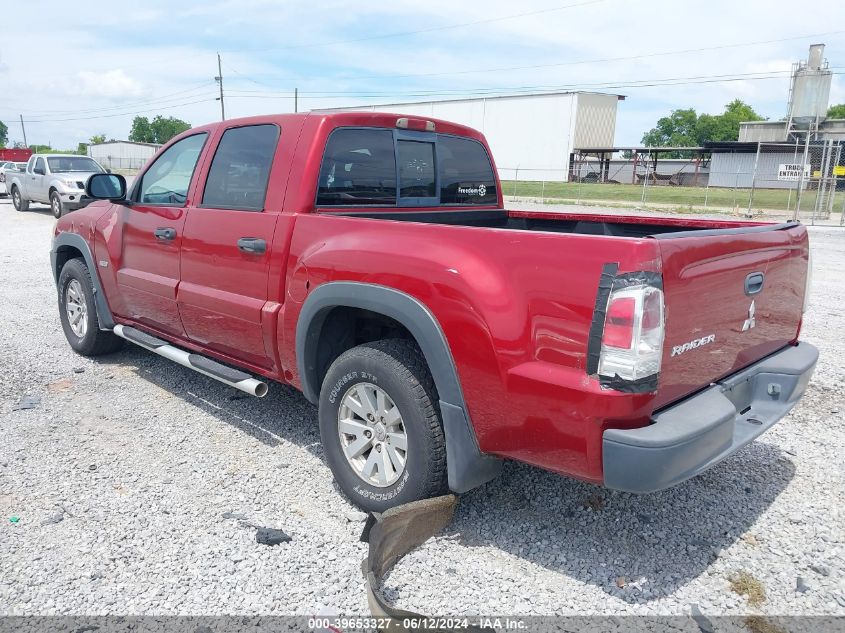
(24, 132)
(219, 80)
(296, 99)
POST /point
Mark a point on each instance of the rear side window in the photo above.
(466, 175)
(358, 168)
(240, 170)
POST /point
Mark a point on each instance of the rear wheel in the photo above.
(78, 312)
(17, 200)
(56, 205)
(380, 425)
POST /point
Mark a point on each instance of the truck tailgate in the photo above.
(717, 319)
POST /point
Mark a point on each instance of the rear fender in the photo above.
(467, 466)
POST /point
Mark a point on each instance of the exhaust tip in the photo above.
(261, 389)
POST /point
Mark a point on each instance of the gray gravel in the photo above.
(139, 487)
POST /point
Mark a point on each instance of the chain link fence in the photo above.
(778, 181)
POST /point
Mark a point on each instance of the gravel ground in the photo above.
(138, 486)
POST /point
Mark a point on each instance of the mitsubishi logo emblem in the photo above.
(749, 322)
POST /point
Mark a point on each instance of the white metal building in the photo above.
(122, 154)
(532, 136)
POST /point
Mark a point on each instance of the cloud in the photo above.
(160, 57)
(111, 84)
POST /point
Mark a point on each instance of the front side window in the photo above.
(466, 175)
(167, 180)
(359, 168)
(66, 164)
(240, 170)
(416, 169)
(39, 166)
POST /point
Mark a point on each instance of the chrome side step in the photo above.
(201, 364)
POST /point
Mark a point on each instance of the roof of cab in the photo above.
(343, 119)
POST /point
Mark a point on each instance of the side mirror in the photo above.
(38, 170)
(106, 187)
(108, 171)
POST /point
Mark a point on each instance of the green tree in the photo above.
(685, 127)
(159, 130)
(141, 131)
(675, 130)
(833, 112)
(82, 148)
(4, 134)
(725, 126)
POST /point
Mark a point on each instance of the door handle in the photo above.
(753, 283)
(252, 245)
(165, 234)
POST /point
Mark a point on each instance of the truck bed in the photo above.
(554, 222)
(704, 265)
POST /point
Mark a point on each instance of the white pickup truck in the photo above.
(54, 179)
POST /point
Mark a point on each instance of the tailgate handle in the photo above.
(753, 283)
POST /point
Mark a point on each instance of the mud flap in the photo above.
(391, 535)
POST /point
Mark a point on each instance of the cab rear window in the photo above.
(380, 167)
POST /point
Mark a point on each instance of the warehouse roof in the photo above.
(482, 98)
(113, 141)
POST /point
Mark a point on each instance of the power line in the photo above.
(110, 116)
(129, 104)
(169, 61)
(566, 63)
(632, 83)
(430, 29)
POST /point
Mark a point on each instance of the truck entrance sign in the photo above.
(792, 171)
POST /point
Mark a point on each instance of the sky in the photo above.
(92, 66)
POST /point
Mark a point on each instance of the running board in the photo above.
(201, 364)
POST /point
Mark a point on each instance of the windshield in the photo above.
(62, 164)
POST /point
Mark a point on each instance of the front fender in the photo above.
(65, 245)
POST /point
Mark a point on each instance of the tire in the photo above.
(56, 205)
(397, 369)
(75, 288)
(17, 200)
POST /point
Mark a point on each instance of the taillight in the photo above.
(632, 341)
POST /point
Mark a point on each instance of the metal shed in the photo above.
(122, 154)
(531, 135)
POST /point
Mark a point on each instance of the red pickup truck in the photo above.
(367, 259)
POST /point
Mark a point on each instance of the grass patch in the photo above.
(759, 624)
(780, 199)
(747, 585)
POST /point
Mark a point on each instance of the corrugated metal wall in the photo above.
(595, 120)
(121, 155)
(737, 170)
(531, 136)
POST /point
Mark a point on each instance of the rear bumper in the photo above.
(700, 431)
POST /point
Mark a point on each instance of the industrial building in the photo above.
(532, 136)
(802, 150)
(122, 154)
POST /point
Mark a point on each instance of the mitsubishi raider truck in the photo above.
(367, 260)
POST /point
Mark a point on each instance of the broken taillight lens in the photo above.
(632, 342)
